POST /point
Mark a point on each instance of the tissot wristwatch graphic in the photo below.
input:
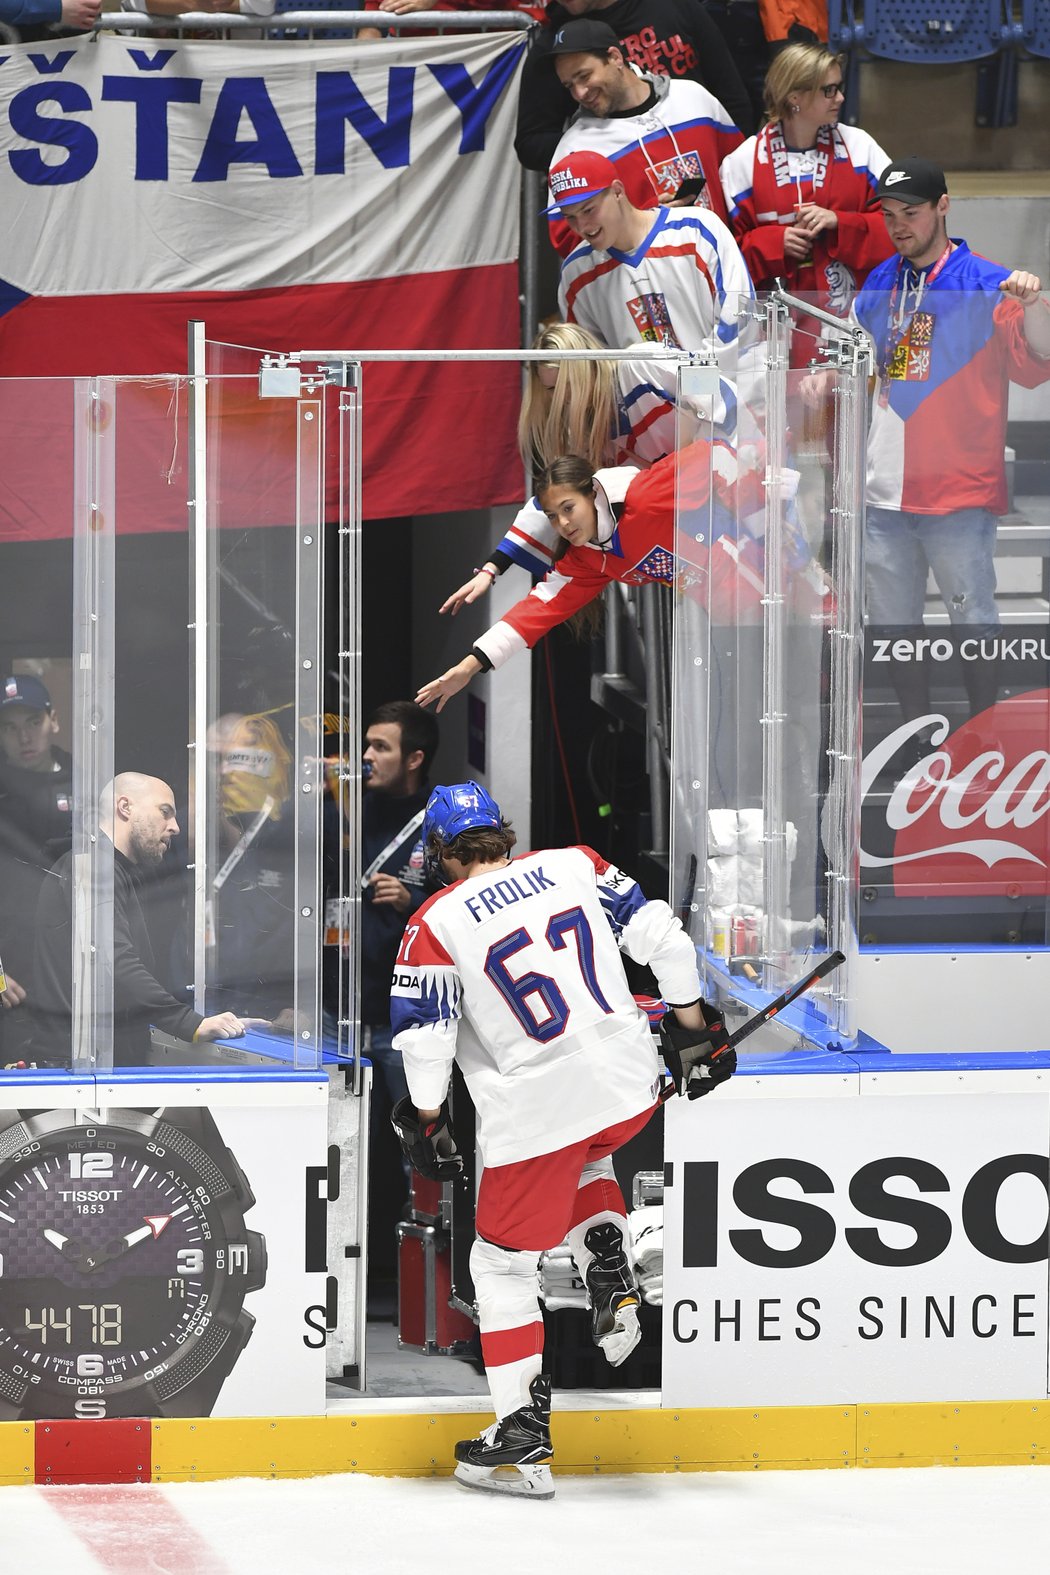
(124, 1263)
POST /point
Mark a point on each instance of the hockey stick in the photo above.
(826, 965)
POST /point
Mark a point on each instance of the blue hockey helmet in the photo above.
(465, 806)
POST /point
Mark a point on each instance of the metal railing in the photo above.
(351, 20)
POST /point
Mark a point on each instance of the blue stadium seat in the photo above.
(933, 33)
(843, 27)
(1035, 27)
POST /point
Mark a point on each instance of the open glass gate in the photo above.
(767, 667)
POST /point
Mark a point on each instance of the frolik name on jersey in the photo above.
(503, 893)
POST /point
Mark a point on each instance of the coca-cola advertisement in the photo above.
(955, 831)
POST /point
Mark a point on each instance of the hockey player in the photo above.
(513, 972)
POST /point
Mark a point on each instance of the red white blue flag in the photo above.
(292, 195)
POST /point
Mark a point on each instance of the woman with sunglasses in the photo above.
(802, 194)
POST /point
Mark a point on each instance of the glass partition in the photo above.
(175, 652)
(767, 653)
(163, 589)
(275, 407)
(257, 563)
(44, 442)
(955, 844)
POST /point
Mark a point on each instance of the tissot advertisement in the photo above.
(832, 1247)
(153, 1261)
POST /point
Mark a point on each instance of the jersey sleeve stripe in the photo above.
(531, 543)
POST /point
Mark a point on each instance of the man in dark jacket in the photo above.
(137, 815)
(36, 805)
(674, 38)
(400, 742)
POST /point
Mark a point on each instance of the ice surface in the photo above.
(909, 1522)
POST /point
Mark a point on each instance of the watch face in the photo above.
(124, 1262)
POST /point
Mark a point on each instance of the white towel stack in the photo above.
(734, 870)
(560, 1282)
(646, 1226)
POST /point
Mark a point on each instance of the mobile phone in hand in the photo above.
(690, 188)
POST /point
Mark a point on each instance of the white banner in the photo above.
(133, 165)
(825, 1248)
(291, 196)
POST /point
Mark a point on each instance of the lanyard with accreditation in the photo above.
(336, 913)
(909, 335)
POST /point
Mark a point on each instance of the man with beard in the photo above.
(400, 743)
(674, 38)
(666, 136)
(137, 816)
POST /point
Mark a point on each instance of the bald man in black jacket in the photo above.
(137, 814)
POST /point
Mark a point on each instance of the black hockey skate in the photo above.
(519, 1446)
(613, 1294)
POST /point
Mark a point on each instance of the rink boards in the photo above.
(597, 1439)
(782, 1222)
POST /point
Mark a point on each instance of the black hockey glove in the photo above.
(698, 1059)
(430, 1149)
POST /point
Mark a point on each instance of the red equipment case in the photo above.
(426, 1321)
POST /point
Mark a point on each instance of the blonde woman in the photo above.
(802, 195)
(572, 407)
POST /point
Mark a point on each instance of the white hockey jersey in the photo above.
(681, 133)
(516, 975)
(682, 286)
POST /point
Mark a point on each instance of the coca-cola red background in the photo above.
(955, 831)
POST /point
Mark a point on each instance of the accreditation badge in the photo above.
(337, 922)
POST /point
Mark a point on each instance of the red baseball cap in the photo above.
(577, 177)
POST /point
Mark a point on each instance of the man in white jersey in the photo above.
(514, 972)
(672, 276)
